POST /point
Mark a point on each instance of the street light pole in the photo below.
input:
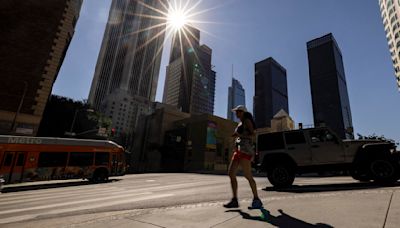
(71, 133)
(73, 121)
(19, 106)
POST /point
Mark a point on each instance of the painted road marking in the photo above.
(87, 207)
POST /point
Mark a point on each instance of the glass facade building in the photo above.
(190, 80)
(236, 96)
(330, 99)
(390, 12)
(127, 70)
(271, 94)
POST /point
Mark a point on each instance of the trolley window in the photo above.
(52, 159)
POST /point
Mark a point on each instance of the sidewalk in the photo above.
(370, 208)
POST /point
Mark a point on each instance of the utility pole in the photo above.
(19, 107)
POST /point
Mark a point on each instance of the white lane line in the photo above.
(159, 188)
(168, 187)
(153, 187)
(72, 203)
(60, 211)
(74, 196)
(150, 180)
(65, 192)
(57, 190)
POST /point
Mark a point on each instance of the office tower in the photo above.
(190, 80)
(390, 12)
(330, 100)
(35, 36)
(127, 70)
(271, 94)
(236, 96)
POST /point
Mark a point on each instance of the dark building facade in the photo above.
(190, 80)
(330, 99)
(201, 142)
(271, 94)
(35, 36)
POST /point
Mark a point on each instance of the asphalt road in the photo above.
(142, 191)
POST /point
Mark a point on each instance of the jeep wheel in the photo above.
(281, 176)
(384, 171)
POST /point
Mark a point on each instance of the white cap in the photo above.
(240, 108)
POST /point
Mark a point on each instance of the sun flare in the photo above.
(177, 19)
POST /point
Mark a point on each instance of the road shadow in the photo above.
(10, 189)
(330, 187)
(283, 220)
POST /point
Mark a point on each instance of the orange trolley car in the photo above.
(33, 158)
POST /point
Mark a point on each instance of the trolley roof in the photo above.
(9, 139)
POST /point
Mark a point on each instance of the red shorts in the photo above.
(237, 155)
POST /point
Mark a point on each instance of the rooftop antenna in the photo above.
(232, 72)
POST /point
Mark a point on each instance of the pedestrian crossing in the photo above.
(130, 192)
(21, 206)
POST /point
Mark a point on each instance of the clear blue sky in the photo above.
(246, 33)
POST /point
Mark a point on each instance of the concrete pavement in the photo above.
(193, 200)
(369, 208)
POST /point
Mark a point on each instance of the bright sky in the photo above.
(246, 33)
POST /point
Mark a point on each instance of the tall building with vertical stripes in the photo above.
(236, 96)
(127, 70)
(35, 36)
(390, 12)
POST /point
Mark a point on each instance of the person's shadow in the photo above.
(283, 220)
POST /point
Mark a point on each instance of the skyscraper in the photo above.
(236, 96)
(190, 80)
(271, 94)
(35, 36)
(390, 12)
(330, 100)
(127, 70)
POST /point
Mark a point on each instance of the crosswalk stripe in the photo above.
(64, 195)
(149, 187)
(56, 190)
(72, 203)
(87, 207)
(23, 195)
(157, 188)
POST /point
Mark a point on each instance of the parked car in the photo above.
(282, 155)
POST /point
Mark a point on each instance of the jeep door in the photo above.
(326, 147)
(298, 148)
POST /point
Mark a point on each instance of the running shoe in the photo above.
(232, 204)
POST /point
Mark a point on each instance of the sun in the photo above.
(177, 19)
